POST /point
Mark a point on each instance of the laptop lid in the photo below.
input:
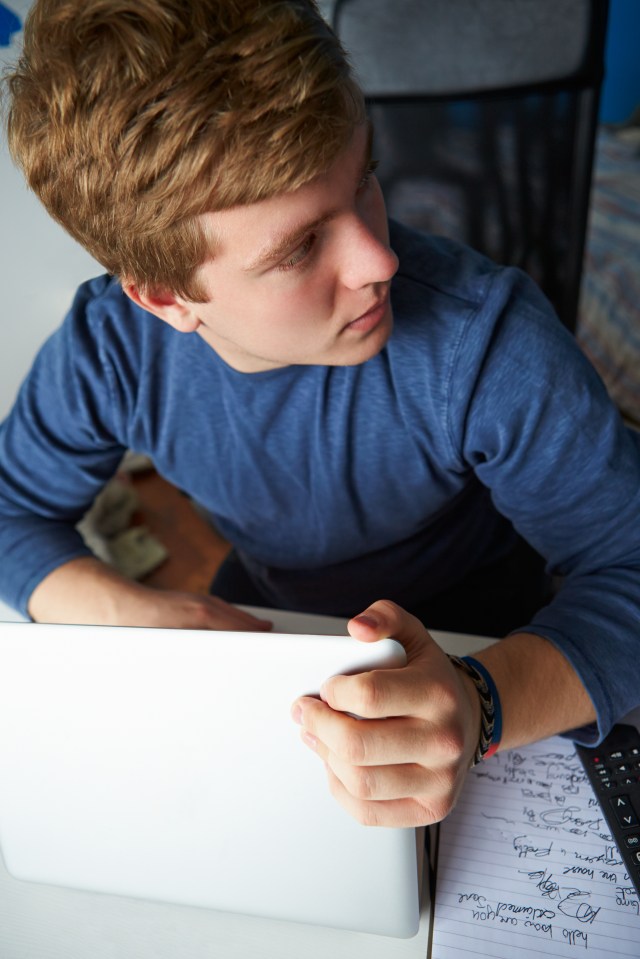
(164, 765)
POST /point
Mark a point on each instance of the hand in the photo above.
(177, 610)
(404, 762)
(85, 590)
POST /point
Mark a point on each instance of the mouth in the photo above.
(372, 318)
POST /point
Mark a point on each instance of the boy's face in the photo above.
(303, 277)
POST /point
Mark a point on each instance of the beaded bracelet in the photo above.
(490, 708)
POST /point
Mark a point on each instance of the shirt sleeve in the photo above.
(57, 450)
(533, 419)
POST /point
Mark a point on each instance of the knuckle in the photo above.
(449, 698)
(328, 694)
(448, 780)
(367, 814)
(440, 809)
(452, 742)
(351, 748)
(363, 785)
(368, 694)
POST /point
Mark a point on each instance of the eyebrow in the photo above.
(285, 241)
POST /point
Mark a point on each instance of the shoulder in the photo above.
(105, 329)
(109, 356)
(482, 336)
(101, 310)
(445, 291)
(447, 300)
(436, 267)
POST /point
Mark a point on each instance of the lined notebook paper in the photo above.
(527, 867)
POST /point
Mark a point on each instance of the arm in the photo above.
(533, 421)
(85, 590)
(540, 692)
(62, 441)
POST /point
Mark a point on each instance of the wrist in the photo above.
(475, 723)
(488, 703)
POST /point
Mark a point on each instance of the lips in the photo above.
(369, 320)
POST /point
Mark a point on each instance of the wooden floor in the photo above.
(195, 548)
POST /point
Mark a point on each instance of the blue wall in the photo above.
(621, 88)
(9, 24)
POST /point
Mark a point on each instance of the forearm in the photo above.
(85, 590)
(540, 692)
(89, 592)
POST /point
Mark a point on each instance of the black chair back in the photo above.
(485, 114)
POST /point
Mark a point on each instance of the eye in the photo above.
(299, 254)
(371, 169)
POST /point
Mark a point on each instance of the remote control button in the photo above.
(628, 781)
(635, 855)
(603, 771)
(623, 768)
(624, 812)
(617, 754)
(607, 785)
(632, 842)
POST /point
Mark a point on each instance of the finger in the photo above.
(395, 813)
(379, 693)
(398, 781)
(373, 742)
(428, 688)
(386, 619)
(362, 742)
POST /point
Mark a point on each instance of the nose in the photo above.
(366, 257)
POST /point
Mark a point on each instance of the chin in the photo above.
(368, 347)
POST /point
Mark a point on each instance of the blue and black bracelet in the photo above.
(490, 707)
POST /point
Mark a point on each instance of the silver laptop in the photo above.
(164, 765)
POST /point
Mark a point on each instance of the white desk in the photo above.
(8, 615)
(54, 923)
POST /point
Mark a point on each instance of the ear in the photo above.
(167, 306)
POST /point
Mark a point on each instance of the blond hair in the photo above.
(129, 118)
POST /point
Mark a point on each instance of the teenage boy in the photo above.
(365, 411)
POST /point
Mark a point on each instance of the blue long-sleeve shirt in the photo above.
(341, 485)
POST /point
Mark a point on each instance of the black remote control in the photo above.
(613, 769)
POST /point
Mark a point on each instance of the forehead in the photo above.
(248, 234)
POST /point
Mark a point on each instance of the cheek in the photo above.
(311, 296)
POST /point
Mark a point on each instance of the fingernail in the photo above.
(368, 619)
(296, 714)
(310, 740)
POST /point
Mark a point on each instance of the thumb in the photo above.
(385, 618)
